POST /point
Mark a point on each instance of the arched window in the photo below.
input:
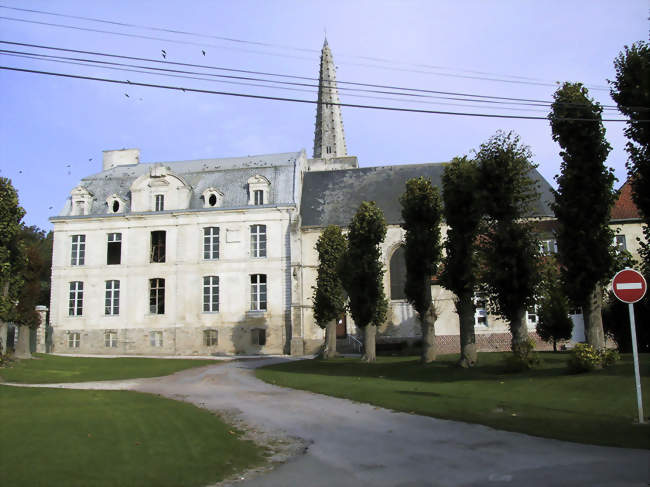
(398, 274)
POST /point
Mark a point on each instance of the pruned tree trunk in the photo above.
(329, 350)
(22, 346)
(554, 345)
(465, 309)
(519, 332)
(3, 337)
(593, 319)
(369, 341)
(428, 324)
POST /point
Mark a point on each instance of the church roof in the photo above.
(228, 175)
(332, 197)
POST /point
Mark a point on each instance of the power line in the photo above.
(262, 73)
(177, 41)
(296, 100)
(141, 71)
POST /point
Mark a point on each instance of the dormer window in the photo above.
(212, 198)
(115, 204)
(258, 190)
(160, 202)
(81, 201)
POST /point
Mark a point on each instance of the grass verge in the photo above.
(69, 438)
(50, 369)
(598, 407)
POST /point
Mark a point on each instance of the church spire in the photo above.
(329, 140)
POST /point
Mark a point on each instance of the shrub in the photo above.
(526, 361)
(584, 358)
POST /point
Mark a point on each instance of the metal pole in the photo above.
(637, 376)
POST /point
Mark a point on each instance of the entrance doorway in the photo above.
(341, 328)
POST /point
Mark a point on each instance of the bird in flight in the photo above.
(164, 53)
(127, 95)
(203, 52)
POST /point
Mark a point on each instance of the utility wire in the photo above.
(296, 100)
(262, 73)
(203, 44)
(241, 83)
(256, 43)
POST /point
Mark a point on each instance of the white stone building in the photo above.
(217, 255)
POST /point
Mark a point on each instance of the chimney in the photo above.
(123, 157)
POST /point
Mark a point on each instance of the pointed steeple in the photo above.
(329, 139)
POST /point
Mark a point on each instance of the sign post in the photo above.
(629, 286)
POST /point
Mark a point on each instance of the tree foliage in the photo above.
(463, 211)
(329, 295)
(631, 92)
(554, 323)
(36, 272)
(422, 216)
(362, 272)
(509, 248)
(12, 259)
(583, 202)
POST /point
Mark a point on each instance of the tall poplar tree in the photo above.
(510, 248)
(631, 92)
(422, 216)
(329, 295)
(463, 211)
(583, 202)
(11, 255)
(362, 273)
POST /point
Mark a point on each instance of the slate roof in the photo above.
(228, 175)
(332, 197)
(624, 208)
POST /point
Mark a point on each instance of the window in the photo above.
(211, 243)
(157, 296)
(212, 198)
(112, 301)
(114, 249)
(210, 338)
(531, 315)
(156, 338)
(78, 253)
(258, 240)
(258, 292)
(620, 243)
(74, 339)
(210, 294)
(259, 197)
(328, 149)
(115, 206)
(79, 208)
(480, 310)
(110, 339)
(398, 274)
(76, 301)
(548, 246)
(160, 202)
(258, 336)
(158, 246)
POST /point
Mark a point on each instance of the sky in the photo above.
(53, 129)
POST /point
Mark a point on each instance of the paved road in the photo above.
(343, 443)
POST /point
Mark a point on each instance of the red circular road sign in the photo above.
(629, 285)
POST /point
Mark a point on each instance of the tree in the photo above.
(422, 215)
(554, 323)
(463, 213)
(583, 203)
(509, 248)
(631, 92)
(362, 273)
(329, 295)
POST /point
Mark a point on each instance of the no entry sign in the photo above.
(629, 285)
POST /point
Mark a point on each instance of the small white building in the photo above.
(217, 256)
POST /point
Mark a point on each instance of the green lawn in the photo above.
(50, 369)
(53, 437)
(599, 407)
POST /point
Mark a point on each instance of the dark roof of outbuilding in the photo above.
(332, 197)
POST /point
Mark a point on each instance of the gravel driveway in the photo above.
(336, 442)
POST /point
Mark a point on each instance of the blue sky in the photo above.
(53, 130)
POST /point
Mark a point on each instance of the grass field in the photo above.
(53, 437)
(598, 407)
(50, 369)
